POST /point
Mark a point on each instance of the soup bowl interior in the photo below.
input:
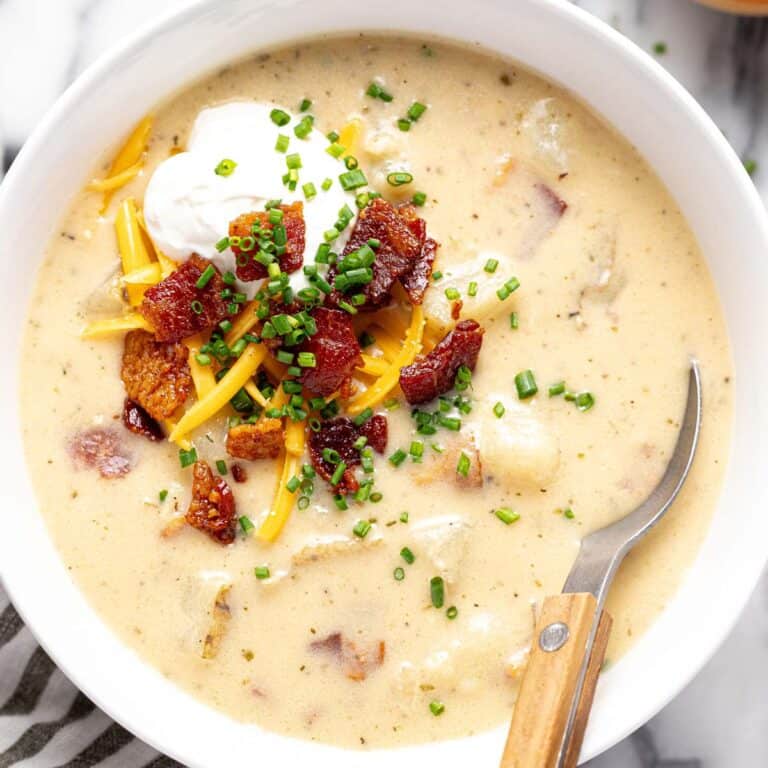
(564, 44)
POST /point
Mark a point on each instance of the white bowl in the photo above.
(568, 46)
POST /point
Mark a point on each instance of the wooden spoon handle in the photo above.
(552, 683)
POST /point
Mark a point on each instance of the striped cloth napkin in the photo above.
(45, 722)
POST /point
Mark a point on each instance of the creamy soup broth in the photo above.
(614, 298)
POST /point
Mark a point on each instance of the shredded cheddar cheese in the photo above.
(130, 155)
(411, 346)
(294, 437)
(283, 501)
(255, 393)
(209, 405)
(149, 275)
(169, 425)
(103, 328)
(350, 136)
(373, 366)
(111, 183)
(389, 345)
(202, 375)
(245, 321)
(133, 251)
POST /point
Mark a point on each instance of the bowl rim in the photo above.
(122, 53)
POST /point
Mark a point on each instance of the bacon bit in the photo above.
(336, 351)
(376, 429)
(168, 305)
(290, 261)
(356, 663)
(262, 440)
(156, 375)
(173, 527)
(100, 448)
(239, 475)
(456, 308)
(434, 374)
(340, 435)
(212, 508)
(138, 421)
(347, 389)
(221, 614)
(556, 203)
(403, 255)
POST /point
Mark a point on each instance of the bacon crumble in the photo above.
(156, 374)
(100, 448)
(355, 661)
(295, 231)
(138, 421)
(435, 373)
(212, 508)
(170, 306)
(340, 435)
(262, 440)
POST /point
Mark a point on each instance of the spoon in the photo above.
(572, 632)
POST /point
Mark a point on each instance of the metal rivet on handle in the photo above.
(553, 637)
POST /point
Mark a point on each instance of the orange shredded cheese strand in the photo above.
(295, 432)
(389, 345)
(202, 375)
(255, 393)
(130, 154)
(411, 346)
(350, 136)
(275, 368)
(103, 328)
(149, 275)
(111, 183)
(283, 501)
(182, 442)
(225, 389)
(133, 251)
(373, 366)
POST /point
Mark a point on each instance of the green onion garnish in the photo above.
(526, 384)
(419, 198)
(452, 294)
(293, 484)
(584, 401)
(221, 466)
(261, 572)
(398, 178)
(398, 573)
(416, 110)
(514, 323)
(225, 167)
(281, 145)
(403, 124)
(472, 289)
(352, 179)
(463, 465)
(304, 105)
(163, 495)
(187, 458)
(407, 555)
(361, 528)
(403, 517)
(375, 91)
(436, 707)
(362, 417)
(568, 512)
(490, 265)
(205, 278)
(506, 515)
(246, 524)
(556, 389)
(437, 591)
(499, 410)
(452, 612)
(197, 307)
(398, 457)
(279, 117)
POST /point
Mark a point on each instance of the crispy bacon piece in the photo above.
(555, 202)
(405, 253)
(239, 475)
(138, 421)
(170, 306)
(100, 448)
(156, 374)
(212, 508)
(221, 614)
(355, 661)
(340, 435)
(416, 281)
(335, 348)
(262, 440)
(293, 220)
(434, 374)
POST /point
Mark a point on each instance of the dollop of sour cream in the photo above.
(188, 206)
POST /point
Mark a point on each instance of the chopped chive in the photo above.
(361, 528)
(514, 322)
(221, 466)
(363, 416)
(407, 555)
(419, 198)
(246, 524)
(375, 91)
(279, 117)
(186, 458)
(304, 105)
(326, 185)
(506, 515)
(225, 167)
(205, 278)
(416, 110)
(202, 358)
(556, 389)
(331, 456)
(197, 307)
(499, 409)
(338, 473)
(340, 502)
(293, 161)
(281, 145)
(403, 517)
(437, 591)
(490, 265)
(463, 465)
(750, 166)
(472, 289)
(352, 179)
(584, 401)
(436, 707)
(403, 124)
(437, 275)
(398, 574)
(398, 457)
(223, 244)
(452, 612)
(335, 150)
(660, 48)
(163, 495)
(449, 422)
(452, 294)
(525, 384)
(568, 512)
(306, 359)
(261, 572)
(399, 178)
(376, 497)
(416, 450)
(303, 128)
(293, 484)
(392, 404)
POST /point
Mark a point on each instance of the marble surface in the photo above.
(721, 719)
